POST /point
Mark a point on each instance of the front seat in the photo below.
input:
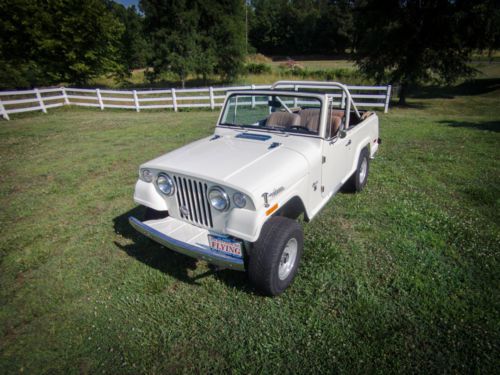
(283, 119)
(337, 118)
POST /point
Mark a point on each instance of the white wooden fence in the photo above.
(209, 97)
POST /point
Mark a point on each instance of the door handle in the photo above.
(348, 142)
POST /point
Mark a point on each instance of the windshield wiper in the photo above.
(232, 125)
(275, 128)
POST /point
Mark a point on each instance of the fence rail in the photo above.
(208, 97)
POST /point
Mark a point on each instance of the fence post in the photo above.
(66, 100)
(295, 102)
(342, 101)
(212, 100)
(40, 100)
(99, 99)
(136, 101)
(253, 97)
(3, 111)
(174, 100)
(387, 98)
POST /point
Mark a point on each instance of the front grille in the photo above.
(192, 198)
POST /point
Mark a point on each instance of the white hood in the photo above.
(240, 163)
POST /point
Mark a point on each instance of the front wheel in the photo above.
(275, 257)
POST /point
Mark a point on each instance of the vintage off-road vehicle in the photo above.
(233, 198)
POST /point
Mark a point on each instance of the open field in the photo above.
(403, 277)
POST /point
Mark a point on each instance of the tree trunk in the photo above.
(403, 90)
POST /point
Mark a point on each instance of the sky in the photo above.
(128, 2)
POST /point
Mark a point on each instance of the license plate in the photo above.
(225, 246)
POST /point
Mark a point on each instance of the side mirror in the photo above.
(342, 134)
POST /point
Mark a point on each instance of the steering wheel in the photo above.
(299, 127)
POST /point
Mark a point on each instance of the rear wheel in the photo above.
(358, 180)
(275, 257)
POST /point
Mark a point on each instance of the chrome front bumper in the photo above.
(186, 239)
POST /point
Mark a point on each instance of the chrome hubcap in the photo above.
(362, 170)
(288, 258)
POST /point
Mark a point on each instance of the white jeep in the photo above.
(233, 198)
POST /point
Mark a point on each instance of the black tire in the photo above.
(150, 214)
(267, 252)
(357, 181)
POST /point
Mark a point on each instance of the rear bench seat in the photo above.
(308, 118)
(283, 119)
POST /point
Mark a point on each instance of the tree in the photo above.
(134, 48)
(270, 30)
(195, 37)
(301, 26)
(335, 27)
(172, 28)
(414, 41)
(51, 41)
(222, 27)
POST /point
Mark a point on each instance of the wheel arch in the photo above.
(292, 209)
(362, 145)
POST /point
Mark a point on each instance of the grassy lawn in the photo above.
(403, 277)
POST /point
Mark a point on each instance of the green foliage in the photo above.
(47, 42)
(418, 41)
(301, 26)
(257, 68)
(222, 23)
(335, 74)
(134, 48)
(201, 37)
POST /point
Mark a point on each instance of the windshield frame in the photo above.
(321, 97)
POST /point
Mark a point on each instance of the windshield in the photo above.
(287, 113)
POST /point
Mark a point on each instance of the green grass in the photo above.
(403, 277)
(322, 64)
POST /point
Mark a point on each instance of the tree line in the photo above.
(46, 42)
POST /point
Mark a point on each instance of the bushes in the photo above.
(258, 58)
(257, 68)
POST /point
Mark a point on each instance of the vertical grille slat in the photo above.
(203, 201)
(198, 203)
(191, 194)
(184, 197)
(205, 193)
(177, 194)
(195, 203)
(188, 199)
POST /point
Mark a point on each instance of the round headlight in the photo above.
(165, 184)
(239, 199)
(218, 198)
(146, 175)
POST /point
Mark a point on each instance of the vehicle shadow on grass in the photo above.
(492, 126)
(168, 261)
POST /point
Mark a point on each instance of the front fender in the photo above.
(246, 224)
(146, 194)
